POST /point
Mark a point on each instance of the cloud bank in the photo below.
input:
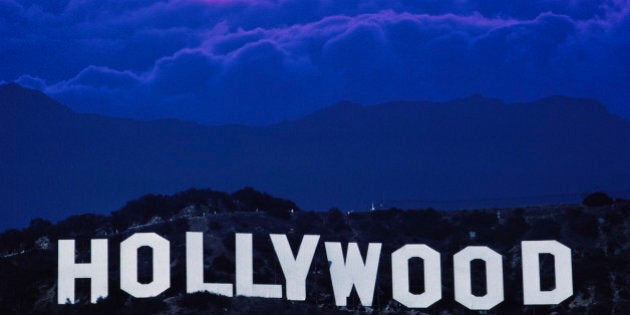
(258, 62)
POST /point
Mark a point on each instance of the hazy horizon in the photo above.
(470, 152)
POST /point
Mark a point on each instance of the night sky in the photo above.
(259, 62)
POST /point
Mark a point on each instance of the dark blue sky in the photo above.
(258, 62)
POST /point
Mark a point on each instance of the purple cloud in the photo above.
(264, 61)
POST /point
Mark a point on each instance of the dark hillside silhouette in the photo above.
(55, 162)
(597, 237)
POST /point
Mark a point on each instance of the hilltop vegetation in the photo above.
(598, 237)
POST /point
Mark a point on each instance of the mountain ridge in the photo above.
(348, 155)
(13, 89)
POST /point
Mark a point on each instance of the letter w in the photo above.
(352, 271)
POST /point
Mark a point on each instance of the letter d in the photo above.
(530, 253)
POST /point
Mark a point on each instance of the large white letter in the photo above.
(245, 272)
(129, 265)
(432, 276)
(68, 271)
(194, 268)
(295, 268)
(532, 294)
(494, 277)
(352, 271)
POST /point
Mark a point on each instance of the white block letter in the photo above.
(245, 272)
(194, 268)
(494, 277)
(129, 265)
(532, 294)
(352, 271)
(432, 276)
(68, 271)
(295, 269)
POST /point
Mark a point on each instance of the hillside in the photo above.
(471, 152)
(598, 237)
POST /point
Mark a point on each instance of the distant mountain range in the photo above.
(56, 162)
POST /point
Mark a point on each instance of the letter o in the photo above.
(432, 276)
(494, 277)
(129, 265)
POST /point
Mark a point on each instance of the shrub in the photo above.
(597, 199)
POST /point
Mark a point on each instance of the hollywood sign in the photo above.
(346, 271)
